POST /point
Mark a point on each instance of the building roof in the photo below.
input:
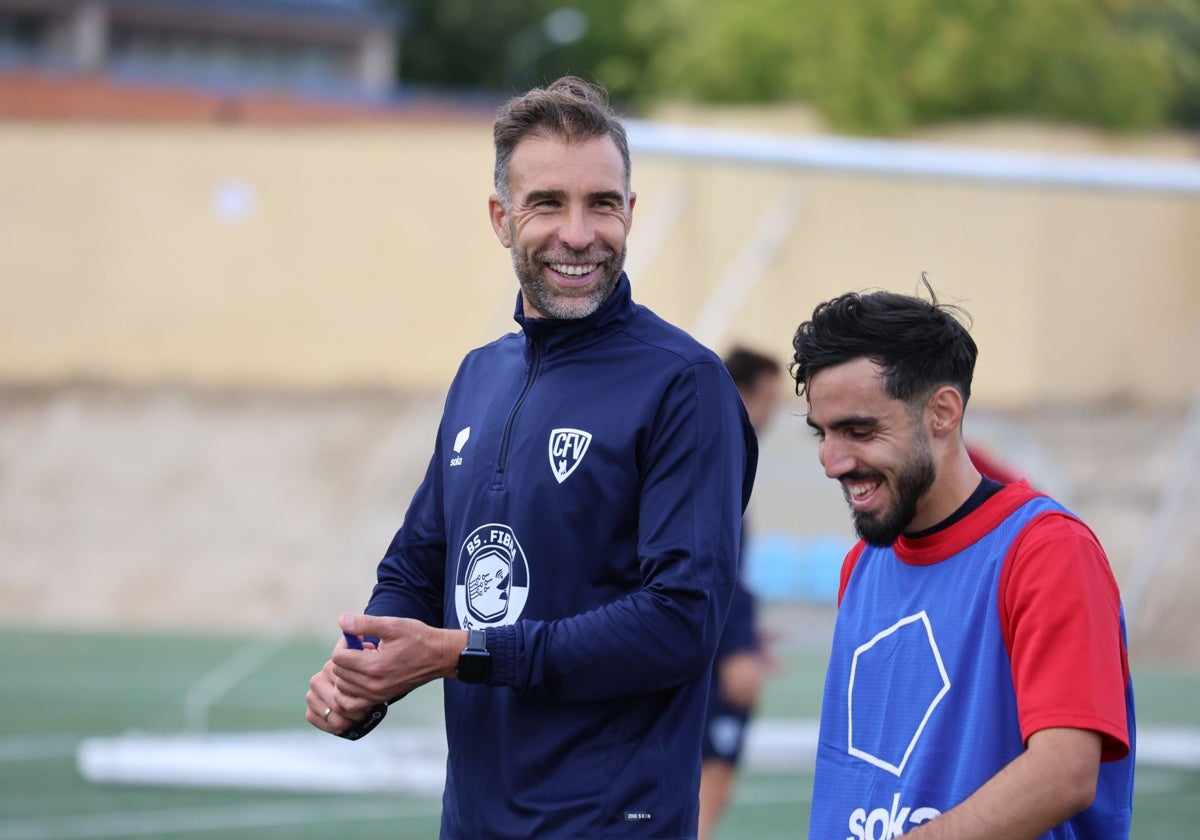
(360, 13)
(33, 96)
(365, 12)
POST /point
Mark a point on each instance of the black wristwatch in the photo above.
(475, 663)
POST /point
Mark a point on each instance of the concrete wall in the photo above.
(361, 256)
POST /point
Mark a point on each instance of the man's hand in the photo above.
(324, 710)
(741, 676)
(352, 682)
(409, 654)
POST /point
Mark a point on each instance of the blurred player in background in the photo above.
(741, 664)
(978, 685)
(990, 466)
(567, 564)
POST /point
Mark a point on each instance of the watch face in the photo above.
(474, 666)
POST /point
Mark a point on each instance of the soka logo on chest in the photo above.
(567, 448)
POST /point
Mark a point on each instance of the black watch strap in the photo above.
(366, 725)
(475, 663)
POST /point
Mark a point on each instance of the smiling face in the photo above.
(873, 446)
(566, 223)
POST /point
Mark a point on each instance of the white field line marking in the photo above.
(215, 818)
(214, 685)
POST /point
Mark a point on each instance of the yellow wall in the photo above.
(366, 259)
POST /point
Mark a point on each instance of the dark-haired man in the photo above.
(566, 566)
(978, 685)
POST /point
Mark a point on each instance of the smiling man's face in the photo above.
(566, 224)
(872, 445)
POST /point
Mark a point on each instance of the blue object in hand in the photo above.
(372, 720)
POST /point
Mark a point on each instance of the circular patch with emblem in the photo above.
(491, 582)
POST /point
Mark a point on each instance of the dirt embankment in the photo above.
(243, 512)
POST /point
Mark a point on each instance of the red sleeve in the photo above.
(1060, 615)
(848, 568)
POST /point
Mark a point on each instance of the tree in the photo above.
(880, 66)
(868, 66)
(502, 46)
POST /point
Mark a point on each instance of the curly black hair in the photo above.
(920, 344)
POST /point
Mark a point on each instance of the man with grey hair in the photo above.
(567, 564)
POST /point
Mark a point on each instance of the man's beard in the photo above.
(914, 478)
(552, 303)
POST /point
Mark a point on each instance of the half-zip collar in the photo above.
(552, 334)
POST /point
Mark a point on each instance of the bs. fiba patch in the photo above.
(491, 582)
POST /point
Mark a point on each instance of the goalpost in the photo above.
(910, 159)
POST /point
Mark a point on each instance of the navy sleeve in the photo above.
(412, 575)
(740, 635)
(695, 483)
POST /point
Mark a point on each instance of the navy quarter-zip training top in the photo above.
(583, 506)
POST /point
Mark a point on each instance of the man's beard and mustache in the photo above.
(914, 478)
(566, 304)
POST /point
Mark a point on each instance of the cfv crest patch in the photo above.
(491, 583)
(567, 448)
